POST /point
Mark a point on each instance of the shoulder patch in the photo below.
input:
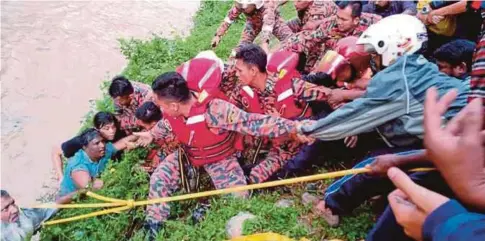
(282, 73)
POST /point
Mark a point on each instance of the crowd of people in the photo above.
(392, 84)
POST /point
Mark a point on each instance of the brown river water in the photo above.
(54, 57)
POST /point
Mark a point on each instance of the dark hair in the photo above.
(103, 118)
(148, 112)
(254, 55)
(88, 135)
(456, 52)
(356, 7)
(120, 86)
(4, 193)
(171, 85)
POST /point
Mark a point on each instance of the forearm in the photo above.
(453, 9)
(225, 116)
(269, 20)
(57, 161)
(232, 15)
(308, 92)
(415, 158)
(123, 143)
(353, 94)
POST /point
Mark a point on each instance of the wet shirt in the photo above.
(29, 221)
(126, 114)
(81, 162)
(261, 20)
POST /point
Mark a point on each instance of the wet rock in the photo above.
(234, 226)
(284, 203)
(309, 199)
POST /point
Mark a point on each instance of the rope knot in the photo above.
(130, 203)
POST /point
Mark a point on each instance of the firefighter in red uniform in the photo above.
(349, 21)
(206, 125)
(274, 88)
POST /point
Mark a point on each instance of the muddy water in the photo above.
(54, 57)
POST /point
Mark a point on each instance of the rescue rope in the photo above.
(122, 205)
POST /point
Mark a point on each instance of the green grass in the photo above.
(148, 59)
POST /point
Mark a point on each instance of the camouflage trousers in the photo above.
(166, 180)
(267, 167)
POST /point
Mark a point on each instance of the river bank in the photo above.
(55, 55)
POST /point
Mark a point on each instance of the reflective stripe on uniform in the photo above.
(287, 93)
(248, 90)
(195, 119)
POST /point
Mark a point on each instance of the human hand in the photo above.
(335, 97)
(300, 137)
(381, 164)
(215, 41)
(411, 203)
(144, 138)
(97, 184)
(351, 141)
(433, 17)
(460, 143)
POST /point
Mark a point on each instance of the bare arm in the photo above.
(125, 142)
(56, 157)
(453, 9)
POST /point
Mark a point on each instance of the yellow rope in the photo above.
(82, 205)
(103, 198)
(128, 204)
(89, 215)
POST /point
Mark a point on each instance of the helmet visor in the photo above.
(331, 62)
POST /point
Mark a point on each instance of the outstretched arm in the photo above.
(225, 116)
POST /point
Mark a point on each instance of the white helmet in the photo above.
(245, 3)
(209, 54)
(394, 36)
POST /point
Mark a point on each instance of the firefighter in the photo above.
(261, 17)
(310, 14)
(274, 87)
(198, 113)
(349, 21)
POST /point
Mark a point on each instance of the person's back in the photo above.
(404, 83)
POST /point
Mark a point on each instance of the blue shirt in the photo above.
(452, 222)
(81, 162)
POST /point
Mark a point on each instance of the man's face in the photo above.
(96, 148)
(345, 21)
(124, 100)
(10, 211)
(450, 70)
(382, 3)
(108, 131)
(302, 4)
(245, 72)
(169, 107)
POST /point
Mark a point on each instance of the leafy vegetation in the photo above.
(125, 180)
